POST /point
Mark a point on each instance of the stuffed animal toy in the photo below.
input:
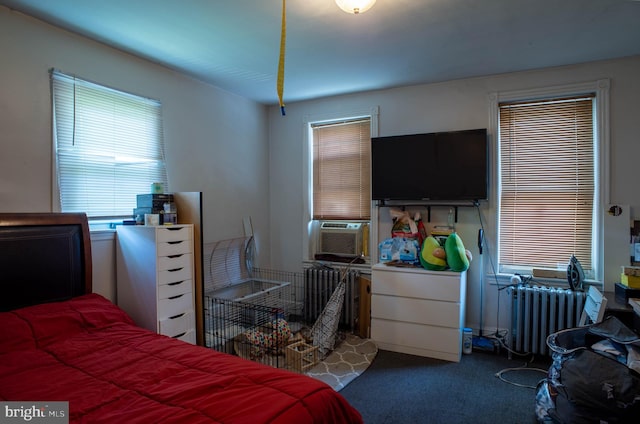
(432, 255)
(457, 258)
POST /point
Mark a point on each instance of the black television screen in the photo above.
(444, 166)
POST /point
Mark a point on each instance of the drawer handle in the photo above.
(174, 228)
(177, 336)
(176, 283)
(175, 269)
(177, 296)
(178, 316)
(176, 242)
(175, 256)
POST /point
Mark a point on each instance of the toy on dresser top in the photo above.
(436, 257)
(411, 246)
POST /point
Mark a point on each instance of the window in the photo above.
(550, 178)
(341, 170)
(108, 146)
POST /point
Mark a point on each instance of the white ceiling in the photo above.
(234, 44)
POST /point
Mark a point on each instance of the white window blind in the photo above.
(546, 182)
(108, 144)
(341, 170)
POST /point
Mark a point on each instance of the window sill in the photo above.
(503, 280)
(103, 229)
(364, 268)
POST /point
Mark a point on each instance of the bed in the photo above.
(59, 342)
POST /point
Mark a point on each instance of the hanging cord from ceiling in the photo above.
(283, 38)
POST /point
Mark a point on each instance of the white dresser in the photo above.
(418, 312)
(155, 271)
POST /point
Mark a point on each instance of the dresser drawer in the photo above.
(189, 337)
(166, 291)
(175, 261)
(174, 276)
(177, 325)
(444, 286)
(169, 248)
(419, 311)
(415, 336)
(175, 305)
(170, 233)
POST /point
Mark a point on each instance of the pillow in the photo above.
(273, 337)
(432, 256)
(48, 323)
(456, 254)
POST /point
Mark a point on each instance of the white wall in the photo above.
(216, 142)
(453, 105)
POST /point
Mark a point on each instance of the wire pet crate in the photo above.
(269, 316)
(266, 320)
(255, 318)
(256, 332)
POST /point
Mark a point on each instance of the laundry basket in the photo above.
(592, 377)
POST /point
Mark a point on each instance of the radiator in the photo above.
(537, 312)
(320, 283)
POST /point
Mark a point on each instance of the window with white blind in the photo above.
(341, 170)
(548, 171)
(108, 146)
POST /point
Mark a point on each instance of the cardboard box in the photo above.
(630, 281)
(631, 270)
(154, 201)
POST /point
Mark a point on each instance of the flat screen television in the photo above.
(443, 166)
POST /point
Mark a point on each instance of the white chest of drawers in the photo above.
(418, 312)
(155, 271)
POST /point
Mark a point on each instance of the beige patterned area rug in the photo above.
(349, 360)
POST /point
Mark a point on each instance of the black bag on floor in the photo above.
(591, 386)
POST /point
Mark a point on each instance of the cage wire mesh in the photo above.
(263, 314)
(324, 331)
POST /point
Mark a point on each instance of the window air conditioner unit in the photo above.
(340, 238)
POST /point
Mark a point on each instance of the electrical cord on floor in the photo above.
(500, 339)
(500, 374)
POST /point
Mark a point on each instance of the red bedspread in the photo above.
(88, 352)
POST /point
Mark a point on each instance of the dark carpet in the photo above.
(399, 388)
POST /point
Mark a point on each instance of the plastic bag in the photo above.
(399, 249)
(403, 225)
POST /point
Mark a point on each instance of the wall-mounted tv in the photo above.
(443, 166)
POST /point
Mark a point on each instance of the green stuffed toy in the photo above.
(457, 256)
(432, 255)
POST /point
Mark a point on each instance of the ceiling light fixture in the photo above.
(355, 6)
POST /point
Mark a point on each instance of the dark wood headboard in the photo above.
(44, 257)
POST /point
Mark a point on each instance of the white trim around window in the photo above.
(307, 186)
(601, 89)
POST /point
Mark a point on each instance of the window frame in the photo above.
(334, 158)
(310, 226)
(600, 89)
(62, 79)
